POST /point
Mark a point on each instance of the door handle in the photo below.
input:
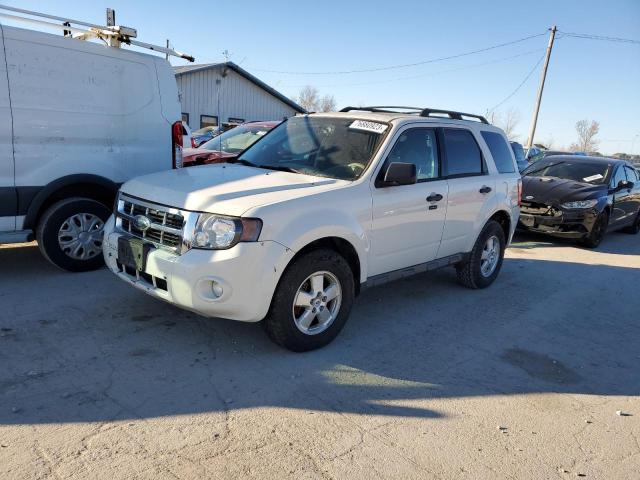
(485, 189)
(434, 197)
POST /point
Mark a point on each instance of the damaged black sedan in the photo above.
(580, 198)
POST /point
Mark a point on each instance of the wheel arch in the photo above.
(89, 186)
(504, 220)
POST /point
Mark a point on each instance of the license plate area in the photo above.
(527, 220)
(133, 253)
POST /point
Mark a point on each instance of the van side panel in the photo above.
(84, 108)
(8, 197)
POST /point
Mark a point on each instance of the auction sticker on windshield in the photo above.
(374, 127)
(593, 178)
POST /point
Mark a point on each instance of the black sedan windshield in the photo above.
(594, 173)
(323, 146)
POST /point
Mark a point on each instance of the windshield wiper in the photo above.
(526, 174)
(279, 168)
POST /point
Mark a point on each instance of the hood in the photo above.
(554, 191)
(227, 189)
(201, 156)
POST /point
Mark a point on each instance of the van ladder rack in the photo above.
(423, 112)
(113, 35)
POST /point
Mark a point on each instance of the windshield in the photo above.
(323, 146)
(237, 139)
(593, 173)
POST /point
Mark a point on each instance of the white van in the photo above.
(77, 119)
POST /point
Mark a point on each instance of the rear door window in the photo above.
(462, 153)
(500, 151)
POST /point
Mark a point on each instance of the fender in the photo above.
(32, 199)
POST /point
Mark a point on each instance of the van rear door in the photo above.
(8, 197)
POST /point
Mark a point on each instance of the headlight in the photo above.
(580, 204)
(218, 232)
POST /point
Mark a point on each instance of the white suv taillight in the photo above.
(176, 144)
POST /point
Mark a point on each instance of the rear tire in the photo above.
(69, 234)
(635, 227)
(303, 298)
(484, 263)
(598, 231)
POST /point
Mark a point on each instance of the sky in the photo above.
(587, 79)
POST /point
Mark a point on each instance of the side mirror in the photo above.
(624, 184)
(399, 173)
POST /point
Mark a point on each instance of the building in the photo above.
(219, 93)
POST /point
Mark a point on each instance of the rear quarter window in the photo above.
(500, 151)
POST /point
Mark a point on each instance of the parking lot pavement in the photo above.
(428, 379)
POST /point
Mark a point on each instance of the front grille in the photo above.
(166, 224)
(533, 208)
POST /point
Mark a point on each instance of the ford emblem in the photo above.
(141, 222)
(529, 197)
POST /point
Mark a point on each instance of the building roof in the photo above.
(185, 69)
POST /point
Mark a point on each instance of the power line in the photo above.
(405, 65)
(599, 37)
(422, 75)
(519, 86)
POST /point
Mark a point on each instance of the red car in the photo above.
(227, 145)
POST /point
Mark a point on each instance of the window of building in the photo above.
(462, 152)
(185, 118)
(500, 151)
(235, 120)
(208, 121)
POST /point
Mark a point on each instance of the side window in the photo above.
(618, 177)
(500, 151)
(632, 175)
(417, 146)
(463, 153)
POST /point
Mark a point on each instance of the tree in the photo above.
(507, 122)
(586, 130)
(309, 99)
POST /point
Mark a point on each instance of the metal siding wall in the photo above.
(239, 98)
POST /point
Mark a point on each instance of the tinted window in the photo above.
(500, 151)
(619, 177)
(632, 175)
(463, 153)
(417, 146)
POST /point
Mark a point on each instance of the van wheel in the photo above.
(485, 260)
(70, 234)
(312, 301)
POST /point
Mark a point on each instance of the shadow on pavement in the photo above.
(86, 347)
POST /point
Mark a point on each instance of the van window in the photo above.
(500, 151)
(462, 152)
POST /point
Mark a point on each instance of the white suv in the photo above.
(320, 207)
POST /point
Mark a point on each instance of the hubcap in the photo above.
(317, 302)
(490, 256)
(80, 236)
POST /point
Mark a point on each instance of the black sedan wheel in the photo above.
(598, 231)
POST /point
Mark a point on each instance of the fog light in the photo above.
(216, 289)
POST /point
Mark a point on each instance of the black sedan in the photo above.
(580, 197)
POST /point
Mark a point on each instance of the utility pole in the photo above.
(536, 110)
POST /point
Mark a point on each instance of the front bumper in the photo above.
(564, 223)
(248, 274)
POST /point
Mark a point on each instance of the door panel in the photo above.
(465, 210)
(622, 201)
(406, 227)
(8, 197)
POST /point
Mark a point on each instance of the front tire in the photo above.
(69, 234)
(485, 260)
(598, 231)
(312, 301)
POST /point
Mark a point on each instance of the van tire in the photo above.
(51, 223)
(469, 271)
(280, 322)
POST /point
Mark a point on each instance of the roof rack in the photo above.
(423, 112)
(112, 34)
